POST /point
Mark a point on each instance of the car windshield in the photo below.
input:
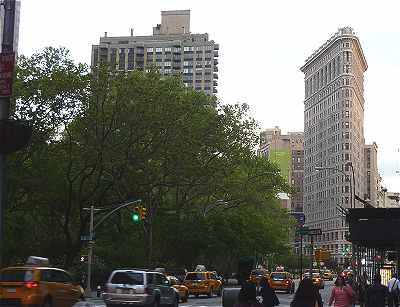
(127, 278)
(173, 280)
(195, 276)
(278, 276)
(16, 275)
(257, 272)
(315, 274)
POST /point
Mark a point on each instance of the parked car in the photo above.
(282, 281)
(139, 288)
(38, 284)
(180, 287)
(203, 283)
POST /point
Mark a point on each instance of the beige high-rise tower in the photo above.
(334, 135)
(172, 49)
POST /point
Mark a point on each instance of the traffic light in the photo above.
(317, 255)
(136, 215)
(143, 213)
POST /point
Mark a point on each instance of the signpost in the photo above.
(306, 231)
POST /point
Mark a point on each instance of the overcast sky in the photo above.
(263, 43)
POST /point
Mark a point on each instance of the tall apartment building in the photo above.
(172, 49)
(334, 135)
(287, 151)
(372, 178)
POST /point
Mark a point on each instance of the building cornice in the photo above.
(346, 32)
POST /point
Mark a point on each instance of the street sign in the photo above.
(7, 61)
(302, 231)
(322, 255)
(87, 238)
(314, 232)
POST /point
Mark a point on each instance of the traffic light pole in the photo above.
(88, 291)
(312, 254)
(92, 228)
(7, 47)
(301, 256)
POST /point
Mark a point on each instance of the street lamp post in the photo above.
(92, 228)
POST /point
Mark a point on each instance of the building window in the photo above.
(158, 50)
(149, 49)
(167, 49)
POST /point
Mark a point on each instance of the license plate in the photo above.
(11, 290)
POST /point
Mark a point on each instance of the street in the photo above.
(285, 299)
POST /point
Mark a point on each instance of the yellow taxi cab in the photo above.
(317, 279)
(282, 281)
(206, 282)
(327, 275)
(180, 287)
(38, 284)
(257, 274)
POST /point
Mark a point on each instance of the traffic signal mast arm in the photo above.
(124, 205)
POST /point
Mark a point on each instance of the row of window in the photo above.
(328, 56)
(332, 90)
(179, 49)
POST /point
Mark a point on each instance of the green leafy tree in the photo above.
(104, 137)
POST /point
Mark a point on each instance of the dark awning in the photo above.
(375, 227)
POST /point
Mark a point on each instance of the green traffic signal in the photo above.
(135, 217)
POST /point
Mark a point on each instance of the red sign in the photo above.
(7, 61)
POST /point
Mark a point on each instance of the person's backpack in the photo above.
(394, 290)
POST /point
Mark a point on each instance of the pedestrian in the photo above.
(269, 298)
(306, 295)
(248, 296)
(342, 295)
(362, 289)
(394, 291)
(376, 294)
(350, 282)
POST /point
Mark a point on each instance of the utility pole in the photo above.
(301, 256)
(90, 254)
(92, 228)
(7, 50)
(312, 254)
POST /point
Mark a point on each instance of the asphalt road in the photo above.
(284, 299)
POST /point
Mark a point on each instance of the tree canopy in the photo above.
(102, 137)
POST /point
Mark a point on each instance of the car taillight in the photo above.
(32, 285)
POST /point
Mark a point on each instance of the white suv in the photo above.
(139, 288)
